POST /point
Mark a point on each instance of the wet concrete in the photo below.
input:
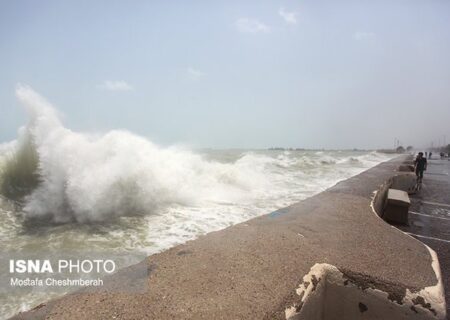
(252, 270)
(429, 219)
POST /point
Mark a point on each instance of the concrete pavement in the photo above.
(429, 219)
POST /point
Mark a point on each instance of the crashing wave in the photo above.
(63, 176)
(69, 176)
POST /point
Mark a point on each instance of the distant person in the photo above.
(426, 154)
(429, 156)
(420, 165)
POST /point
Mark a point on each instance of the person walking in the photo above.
(420, 165)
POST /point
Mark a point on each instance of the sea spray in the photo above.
(87, 178)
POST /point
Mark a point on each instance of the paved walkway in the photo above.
(253, 270)
(430, 216)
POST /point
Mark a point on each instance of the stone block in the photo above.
(397, 206)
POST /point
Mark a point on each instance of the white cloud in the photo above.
(116, 86)
(289, 17)
(364, 36)
(251, 26)
(195, 74)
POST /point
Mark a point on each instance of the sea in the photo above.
(120, 193)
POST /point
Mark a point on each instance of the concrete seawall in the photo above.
(327, 257)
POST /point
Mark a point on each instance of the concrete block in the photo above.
(397, 206)
(404, 181)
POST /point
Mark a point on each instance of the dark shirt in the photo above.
(420, 163)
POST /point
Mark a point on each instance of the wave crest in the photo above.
(87, 178)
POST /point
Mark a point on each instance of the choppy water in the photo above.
(119, 192)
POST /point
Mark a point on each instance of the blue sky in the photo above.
(253, 74)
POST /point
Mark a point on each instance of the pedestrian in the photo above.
(420, 165)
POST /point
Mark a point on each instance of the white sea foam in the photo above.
(91, 178)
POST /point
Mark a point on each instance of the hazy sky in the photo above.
(314, 74)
